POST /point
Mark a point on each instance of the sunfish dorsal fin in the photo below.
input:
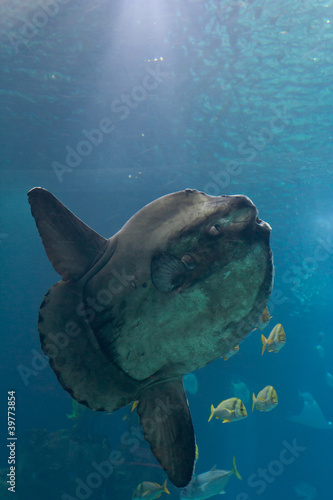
(72, 246)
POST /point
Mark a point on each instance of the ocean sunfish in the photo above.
(183, 282)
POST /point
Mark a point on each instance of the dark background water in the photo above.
(189, 87)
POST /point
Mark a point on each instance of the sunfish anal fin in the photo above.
(167, 425)
(71, 245)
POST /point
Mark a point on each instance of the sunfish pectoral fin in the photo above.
(167, 425)
(167, 272)
(71, 245)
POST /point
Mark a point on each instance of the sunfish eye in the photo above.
(214, 230)
(217, 228)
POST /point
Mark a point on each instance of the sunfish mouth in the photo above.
(239, 213)
(262, 224)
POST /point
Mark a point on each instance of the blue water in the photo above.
(110, 105)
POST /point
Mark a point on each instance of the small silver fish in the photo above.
(329, 379)
(209, 483)
(305, 491)
(320, 350)
(240, 390)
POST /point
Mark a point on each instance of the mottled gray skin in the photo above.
(112, 335)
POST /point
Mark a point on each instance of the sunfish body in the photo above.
(183, 282)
